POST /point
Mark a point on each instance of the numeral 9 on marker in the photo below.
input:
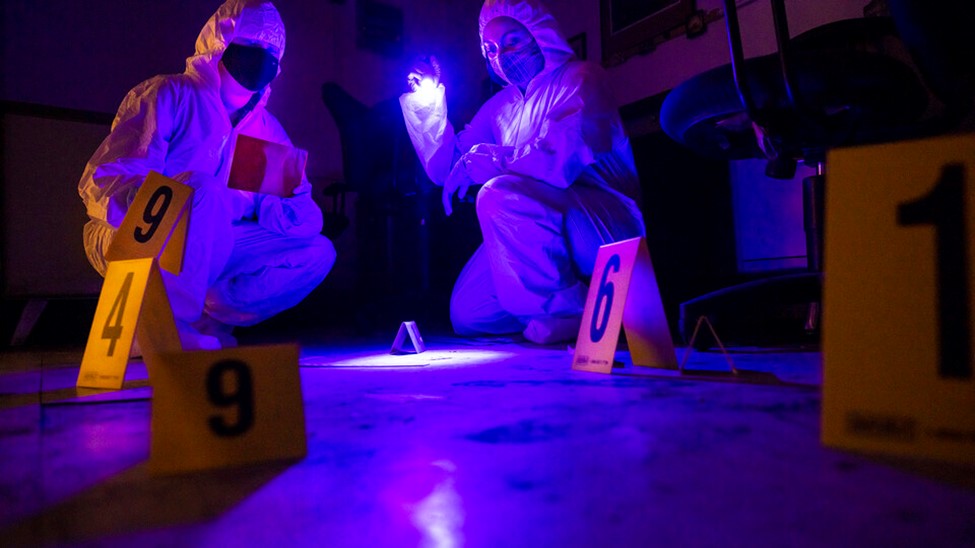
(153, 219)
(242, 397)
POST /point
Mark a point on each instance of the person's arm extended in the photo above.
(430, 131)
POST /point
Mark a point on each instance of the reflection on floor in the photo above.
(481, 443)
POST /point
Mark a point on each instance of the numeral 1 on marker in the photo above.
(944, 207)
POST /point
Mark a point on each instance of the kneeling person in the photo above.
(558, 176)
(248, 256)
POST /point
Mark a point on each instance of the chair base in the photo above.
(779, 310)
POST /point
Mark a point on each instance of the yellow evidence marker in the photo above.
(898, 362)
(155, 224)
(222, 408)
(133, 295)
(623, 291)
(153, 228)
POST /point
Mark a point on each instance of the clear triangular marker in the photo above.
(690, 345)
(416, 340)
(744, 375)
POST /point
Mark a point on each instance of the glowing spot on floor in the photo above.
(385, 360)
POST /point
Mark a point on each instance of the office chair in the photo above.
(839, 84)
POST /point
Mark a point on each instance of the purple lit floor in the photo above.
(478, 443)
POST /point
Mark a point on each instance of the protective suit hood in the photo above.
(255, 20)
(539, 22)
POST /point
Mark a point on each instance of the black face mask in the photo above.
(252, 66)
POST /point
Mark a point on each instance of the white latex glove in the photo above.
(304, 187)
(457, 183)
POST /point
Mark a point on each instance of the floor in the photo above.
(488, 442)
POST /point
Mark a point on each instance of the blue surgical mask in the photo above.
(521, 65)
(493, 74)
(252, 66)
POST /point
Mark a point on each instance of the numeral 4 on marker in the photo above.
(113, 331)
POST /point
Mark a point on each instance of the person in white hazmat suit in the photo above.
(557, 171)
(248, 256)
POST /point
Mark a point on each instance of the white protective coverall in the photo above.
(561, 182)
(248, 256)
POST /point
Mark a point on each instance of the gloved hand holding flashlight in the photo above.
(424, 73)
(424, 80)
